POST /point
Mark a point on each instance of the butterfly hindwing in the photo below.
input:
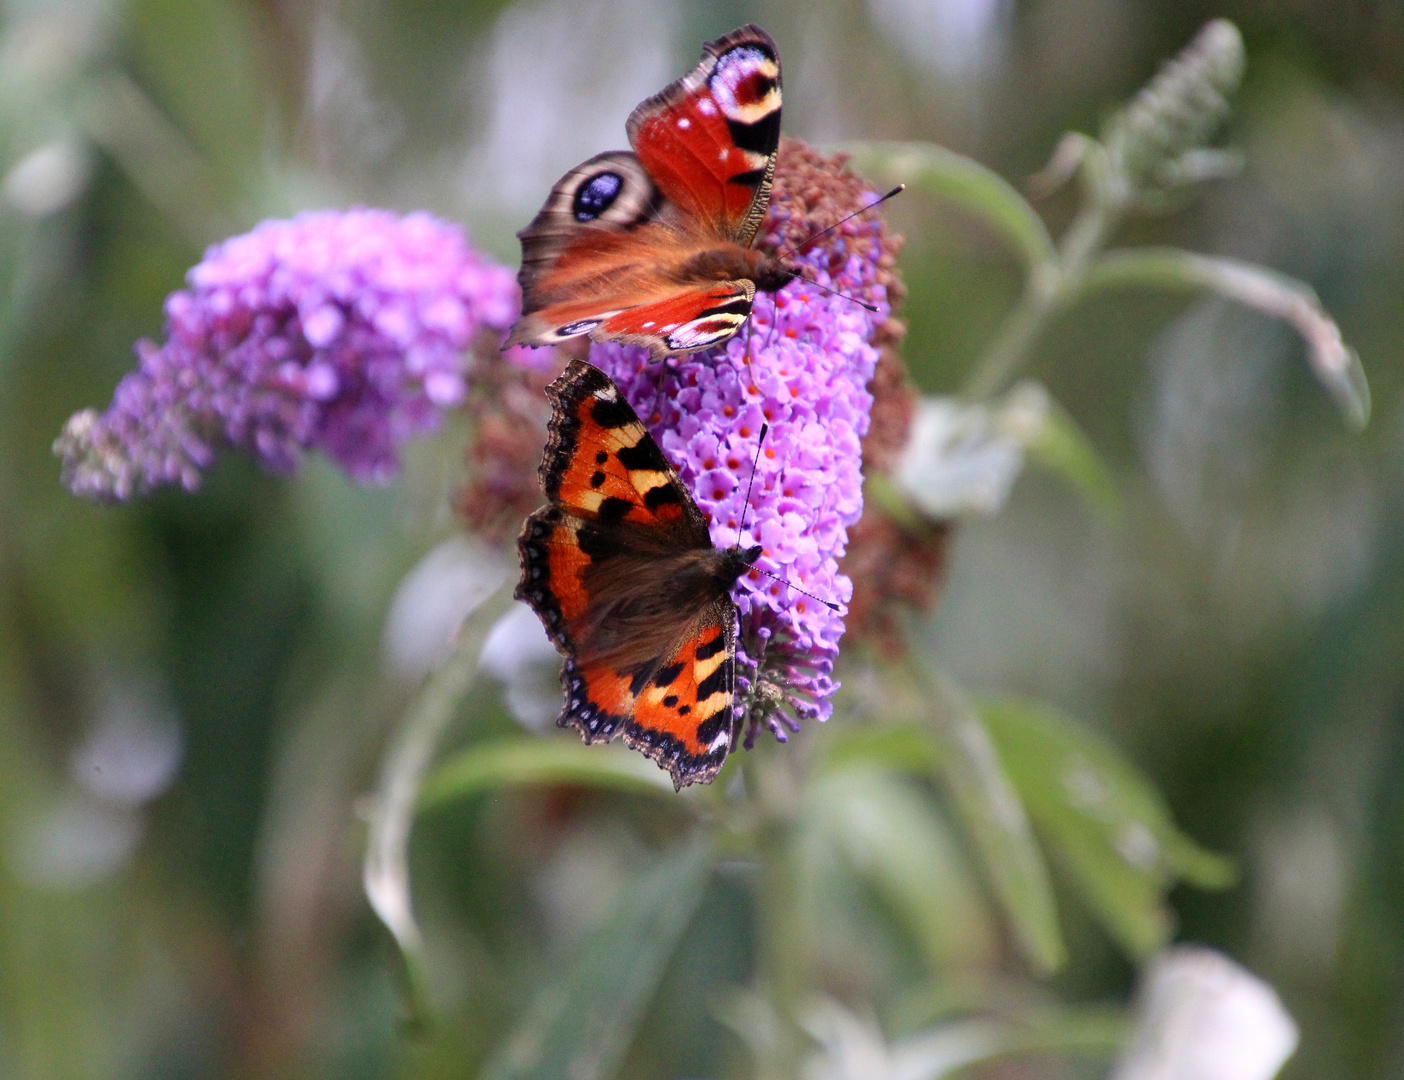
(620, 567)
(683, 715)
(709, 140)
(687, 321)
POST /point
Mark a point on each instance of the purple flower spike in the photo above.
(345, 332)
(803, 368)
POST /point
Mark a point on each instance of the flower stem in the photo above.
(780, 973)
(1051, 287)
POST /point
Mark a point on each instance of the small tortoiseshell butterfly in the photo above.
(621, 569)
(654, 247)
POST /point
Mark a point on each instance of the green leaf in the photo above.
(526, 759)
(900, 747)
(964, 181)
(993, 815)
(1103, 820)
(1336, 365)
(385, 868)
(893, 836)
(583, 1017)
(1060, 446)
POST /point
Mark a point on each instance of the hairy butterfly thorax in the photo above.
(653, 247)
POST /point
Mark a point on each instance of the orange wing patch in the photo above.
(601, 464)
(685, 322)
(682, 716)
(677, 711)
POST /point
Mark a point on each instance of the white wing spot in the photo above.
(721, 740)
(726, 152)
(648, 324)
(706, 107)
(684, 122)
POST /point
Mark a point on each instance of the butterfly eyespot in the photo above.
(597, 195)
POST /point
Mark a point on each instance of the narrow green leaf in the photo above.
(893, 836)
(1062, 447)
(583, 1017)
(1336, 365)
(527, 759)
(993, 814)
(964, 181)
(1104, 821)
(902, 747)
(385, 868)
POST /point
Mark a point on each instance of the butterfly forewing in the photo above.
(709, 140)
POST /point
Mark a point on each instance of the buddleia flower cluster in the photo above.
(350, 333)
(801, 367)
(341, 332)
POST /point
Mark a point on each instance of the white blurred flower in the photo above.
(78, 841)
(130, 754)
(854, 1048)
(133, 749)
(433, 600)
(520, 655)
(963, 459)
(1203, 1017)
(46, 180)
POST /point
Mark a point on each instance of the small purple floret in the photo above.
(344, 332)
(810, 361)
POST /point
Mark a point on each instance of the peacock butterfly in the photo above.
(654, 247)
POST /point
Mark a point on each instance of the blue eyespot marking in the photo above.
(597, 195)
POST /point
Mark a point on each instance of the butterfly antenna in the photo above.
(765, 428)
(747, 505)
(805, 243)
(835, 292)
(791, 584)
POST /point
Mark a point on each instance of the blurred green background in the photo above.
(192, 696)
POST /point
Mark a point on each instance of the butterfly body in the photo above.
(654, 247)
(621, 569)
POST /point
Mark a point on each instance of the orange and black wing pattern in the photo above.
(676, 709)
(621, 570)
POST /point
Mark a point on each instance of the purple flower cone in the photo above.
(810, 361)
(344, 332)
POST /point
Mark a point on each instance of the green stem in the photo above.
(780, 965)
(1051, 287)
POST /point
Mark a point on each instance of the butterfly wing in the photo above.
(612, 251)
(599, 566)
(675, 708)
(709, 140)
(684, 322)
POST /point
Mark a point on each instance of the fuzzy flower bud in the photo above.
(1180, 109)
